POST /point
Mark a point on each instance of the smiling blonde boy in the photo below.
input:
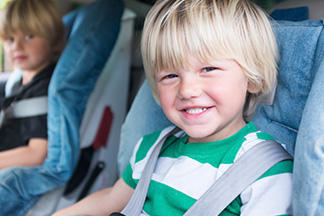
(207, 62)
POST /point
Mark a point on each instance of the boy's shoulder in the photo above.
(251, 136)
(256, 137)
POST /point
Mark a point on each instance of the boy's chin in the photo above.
(197, 136)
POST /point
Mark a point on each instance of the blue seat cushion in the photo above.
(300, 46)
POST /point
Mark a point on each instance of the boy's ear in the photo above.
(253, 88)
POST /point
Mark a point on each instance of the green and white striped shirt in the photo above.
(185, 171)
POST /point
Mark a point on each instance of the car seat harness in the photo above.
(29, 107)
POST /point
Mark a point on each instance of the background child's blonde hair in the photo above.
(211, 29)
(37, 17)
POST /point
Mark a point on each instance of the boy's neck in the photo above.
(28, 75)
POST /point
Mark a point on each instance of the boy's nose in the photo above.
(189, 89)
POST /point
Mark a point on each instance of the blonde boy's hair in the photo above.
(37, 17)
(210, 29)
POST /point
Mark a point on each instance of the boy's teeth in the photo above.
(195, 110)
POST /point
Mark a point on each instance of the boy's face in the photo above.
(206, 100)
(28, 52)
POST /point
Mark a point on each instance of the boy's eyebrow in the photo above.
(164, 72)
(161, 72)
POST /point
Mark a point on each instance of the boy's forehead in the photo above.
(18, 32)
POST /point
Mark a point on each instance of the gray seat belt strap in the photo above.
(135, 205)
(249, 167)
(25, 108)
(28, 107)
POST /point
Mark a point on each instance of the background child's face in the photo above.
(28, 52)
(206, 100)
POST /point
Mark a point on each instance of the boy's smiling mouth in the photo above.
(195, 113)
(195, 110)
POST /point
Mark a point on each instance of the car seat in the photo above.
(92, 33)
(308, 193)
(109, 99)
(294, 115)
(100, 128)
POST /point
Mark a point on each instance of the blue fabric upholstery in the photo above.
(92, 37)
(300, 57)
(308, 194)
(291, 14)
(296, 117)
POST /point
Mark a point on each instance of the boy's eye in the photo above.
(170, 76)
(166, 78)
(29, 36)
(207, 69)
(10, 39)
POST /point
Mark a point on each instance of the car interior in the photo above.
(99, 82)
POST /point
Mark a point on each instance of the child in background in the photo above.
(32, 33)
(208, 62)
